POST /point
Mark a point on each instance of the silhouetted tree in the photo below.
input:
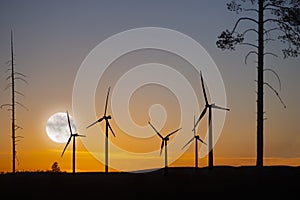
(279, 17)
(55, 168)
(13, 77)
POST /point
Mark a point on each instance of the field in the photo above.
(244, 182)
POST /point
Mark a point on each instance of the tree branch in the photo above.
(268, 39)
(268, 5)
(18, 127)
(267, 84)
(5, 105)
(250, 9)
(241, 19)
(8, 86)
(19, 78)
(271, 9)
(273, 29)
(246, 57)
(249, 44)
(7, 78)
(19, 93)
(21, 105)
(272, 54)
(271, 70)
(18, 73)
(251, 29)
(271, 20)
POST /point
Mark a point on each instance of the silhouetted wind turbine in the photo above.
(164, 144)
(197, 138)
(107, 125)
(69, 140)
(209, 107)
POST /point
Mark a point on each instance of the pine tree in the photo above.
(274, 17)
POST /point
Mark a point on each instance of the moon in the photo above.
(57, 127)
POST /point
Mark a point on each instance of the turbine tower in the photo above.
(107, 125)
(196, 138)
(69, 140)
(164, 144)
(208, 106)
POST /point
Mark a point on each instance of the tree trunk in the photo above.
(13, 106)
(260, 86)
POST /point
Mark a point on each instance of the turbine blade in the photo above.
(69, 140)
(172, 132)
(201, 141)
(92, 124)
(200, 117)
(162, 146)
(156, 131)
(203, 88)
(187, 143)
(111, 129)
(106, 102)
(69, 123)
(194, 126)
(99, 120)
(81, 135)
(218, 107)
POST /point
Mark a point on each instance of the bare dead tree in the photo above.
(13, 77)
(273, 17)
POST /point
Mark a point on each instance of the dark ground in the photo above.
(245, 182)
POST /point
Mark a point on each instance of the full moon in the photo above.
(57, 127)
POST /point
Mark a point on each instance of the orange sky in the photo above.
(85, 162)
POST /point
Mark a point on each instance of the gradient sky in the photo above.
(52, 38)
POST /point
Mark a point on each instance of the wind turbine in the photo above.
(197, 138)
(209, 107)
(164, 144)
(74, 135)
(107, 125)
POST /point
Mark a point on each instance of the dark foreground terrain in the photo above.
(184, 183)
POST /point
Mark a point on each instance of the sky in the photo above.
(54, 40)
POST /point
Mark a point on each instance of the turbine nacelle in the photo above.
(164, 139)
(77, 135)
(197, 137)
